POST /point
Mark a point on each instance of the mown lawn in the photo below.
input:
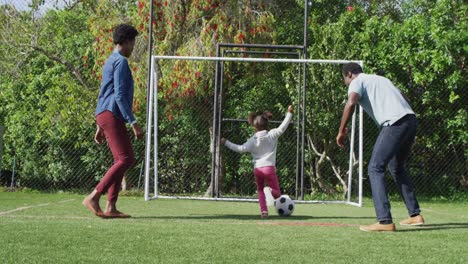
(56, 228)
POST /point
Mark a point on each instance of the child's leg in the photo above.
(260, 181)
(272, 179)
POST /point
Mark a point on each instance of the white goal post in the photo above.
(152, 130)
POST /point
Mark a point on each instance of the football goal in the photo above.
(194, 102)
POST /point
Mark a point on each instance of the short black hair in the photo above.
(124, 32)
(352, 67)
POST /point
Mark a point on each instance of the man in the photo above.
(390, 109)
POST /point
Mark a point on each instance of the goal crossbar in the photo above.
(194, 58)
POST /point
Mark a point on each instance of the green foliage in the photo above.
(257, 87)
(421, 46)
(47, 112)
(423, 54)
(52, 64)
(184, 153)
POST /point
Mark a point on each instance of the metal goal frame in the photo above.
(152, 130)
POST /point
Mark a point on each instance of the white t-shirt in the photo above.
(381, 100)
(262, 145)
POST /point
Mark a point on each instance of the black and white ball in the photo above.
(284, 205)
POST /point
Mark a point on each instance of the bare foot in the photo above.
(111, 208)
(115, 214)
(93, 206)
(112, 212)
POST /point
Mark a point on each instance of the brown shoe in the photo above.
(378, 227)
(413, 221)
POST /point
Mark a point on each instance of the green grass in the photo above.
(56, 228)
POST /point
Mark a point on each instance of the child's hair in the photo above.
(124, 32)
(352, 67)
(260, 120)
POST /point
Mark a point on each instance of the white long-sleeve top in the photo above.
(262, 145)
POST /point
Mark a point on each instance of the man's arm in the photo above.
(347, 112)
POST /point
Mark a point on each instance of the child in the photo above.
(262, 146)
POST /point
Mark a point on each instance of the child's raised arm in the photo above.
(284, 125)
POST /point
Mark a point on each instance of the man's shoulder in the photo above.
(373, 77)
(370, 80)
(368, 76)
(356, 84)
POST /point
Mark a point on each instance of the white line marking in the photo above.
(66, 201)
(33, 206)
(50, 217)
(23, 208)
(442, 213)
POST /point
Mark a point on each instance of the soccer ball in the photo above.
(284, 205)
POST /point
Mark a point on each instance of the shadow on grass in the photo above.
(432, 227)
(249, 217)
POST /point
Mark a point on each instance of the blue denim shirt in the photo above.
(116, 92)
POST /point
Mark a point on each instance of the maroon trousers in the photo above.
(268, 175)
(121, 148)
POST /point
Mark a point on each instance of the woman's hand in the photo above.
(99, 136)
(137, 131)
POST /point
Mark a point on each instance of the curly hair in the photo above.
(260, 120)
(124, 32)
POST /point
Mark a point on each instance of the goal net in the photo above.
(195, 101)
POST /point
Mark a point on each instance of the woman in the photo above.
(114, 109)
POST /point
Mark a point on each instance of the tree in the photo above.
(48, 85)
(193, 28)
(427, 64)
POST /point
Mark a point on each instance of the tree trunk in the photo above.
(320, 181)
(219, 169)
